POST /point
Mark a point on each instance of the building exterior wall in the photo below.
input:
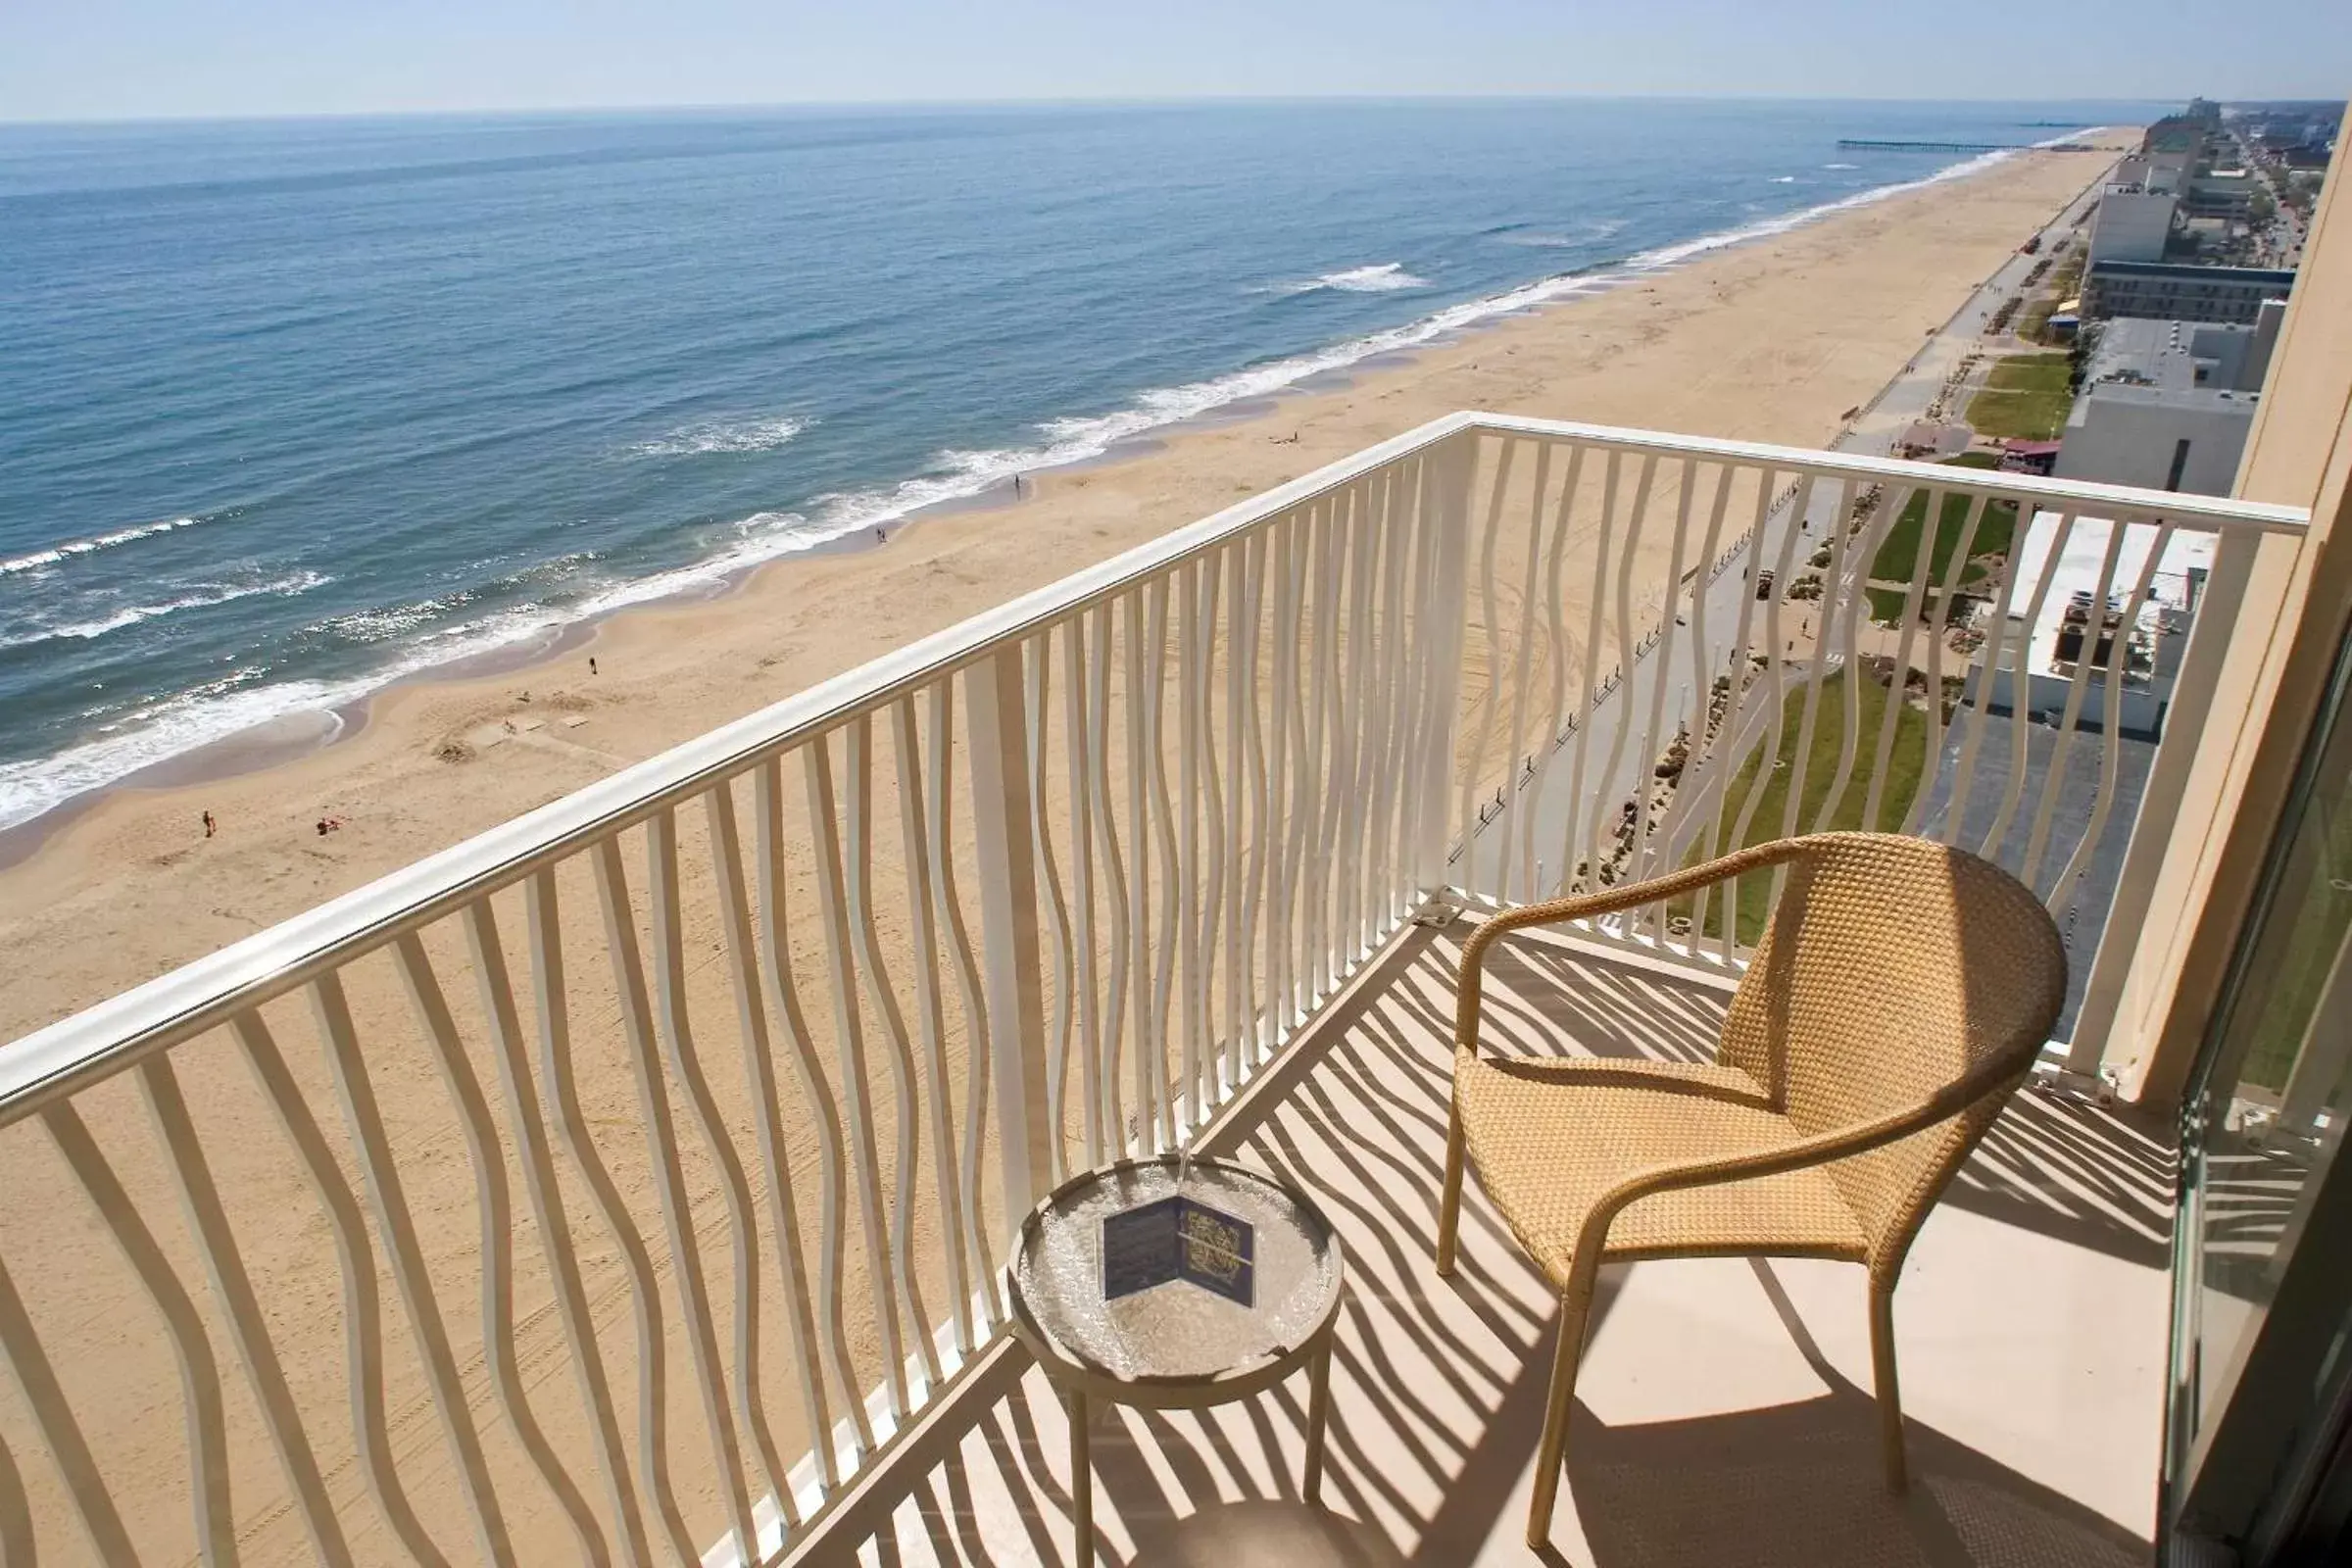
(2181, 293)
(2132, 225)
(2130, 435)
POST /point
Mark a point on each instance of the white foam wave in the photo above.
(1842, 165)
(723, 435)
(151, 733)
(1384, 277)
(192, 719)
(96, 541)
(134, 614)
(1781, 180)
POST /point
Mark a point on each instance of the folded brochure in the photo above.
(1173, 1239)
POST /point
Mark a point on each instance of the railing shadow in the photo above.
(1440, 1384)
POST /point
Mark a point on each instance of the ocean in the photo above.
(289, 409)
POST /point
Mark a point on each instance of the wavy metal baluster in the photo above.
(1257, 1010)
(1849, 605)
(1722, 759)
(931, 1015)
(1078, 747)
(1818, 672)
(2020, 692)
(784, 1004)
(1357, 698)
(1515, 733)
(673, 1026)
(1163, 818)
(1038, 659)
(191, 1348)
(1636, 515)
(496, 1217)
(1486, 705)
(824, 823)
(1115, 891)
(552, 1013)
(859, 798)
(1573, 854)
(1696, 740)
(760, 1081)
(556, 1239)
(1378, 910)
(1776, 647)
(662, 1140)
(1208, 888)
(1953, 570)
(1240, 631)
(93, 1503)
(1891, 717)
(380, 1178)
(1284, 543)
(2039, 836)
(2111, 749)
(948, 913)
(1186, 961)
(1964, 772)
(362, 1309)
(232, 1285)
(1662, 651)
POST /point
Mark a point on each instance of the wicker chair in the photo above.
(1897, 998)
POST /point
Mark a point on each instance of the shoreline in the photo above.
(1765, 340)
(291, 736)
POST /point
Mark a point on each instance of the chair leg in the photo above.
(1552, 1452)
(1449, 1204)
(1882, 1366)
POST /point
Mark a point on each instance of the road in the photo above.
(1620, 742)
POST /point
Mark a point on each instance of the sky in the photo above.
(141, 59)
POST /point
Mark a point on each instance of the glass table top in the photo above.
(1177, 1330)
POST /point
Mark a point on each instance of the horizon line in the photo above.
(774, 106)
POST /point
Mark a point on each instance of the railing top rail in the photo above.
(2076, 495)
(54, 1061)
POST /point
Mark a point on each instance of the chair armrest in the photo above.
(1856, 1138)
(1587, 905)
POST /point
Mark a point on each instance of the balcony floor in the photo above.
(1724, 1413)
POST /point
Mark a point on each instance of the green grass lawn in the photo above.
(1903, 769)
(2025, 398)
(1898, 554)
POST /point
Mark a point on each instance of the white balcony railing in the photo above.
(781, 1031)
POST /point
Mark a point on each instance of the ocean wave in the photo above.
(1584, 234)
(155, 732)
(81, 547)
(134, 614)
(1384, 277)
(1842, 165)
(723, 435)
(1781, 180)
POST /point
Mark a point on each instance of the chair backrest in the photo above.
(1895, 967)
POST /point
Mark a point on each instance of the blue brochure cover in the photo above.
(1173, 1239)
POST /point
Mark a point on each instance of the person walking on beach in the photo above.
(210, 826)
(591, 663)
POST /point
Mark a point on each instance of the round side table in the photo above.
(1175, 1345)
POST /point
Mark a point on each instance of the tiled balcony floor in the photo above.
(1724, 1413)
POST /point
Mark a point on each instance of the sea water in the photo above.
(289, 409)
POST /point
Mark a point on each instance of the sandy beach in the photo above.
(1773, 340)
